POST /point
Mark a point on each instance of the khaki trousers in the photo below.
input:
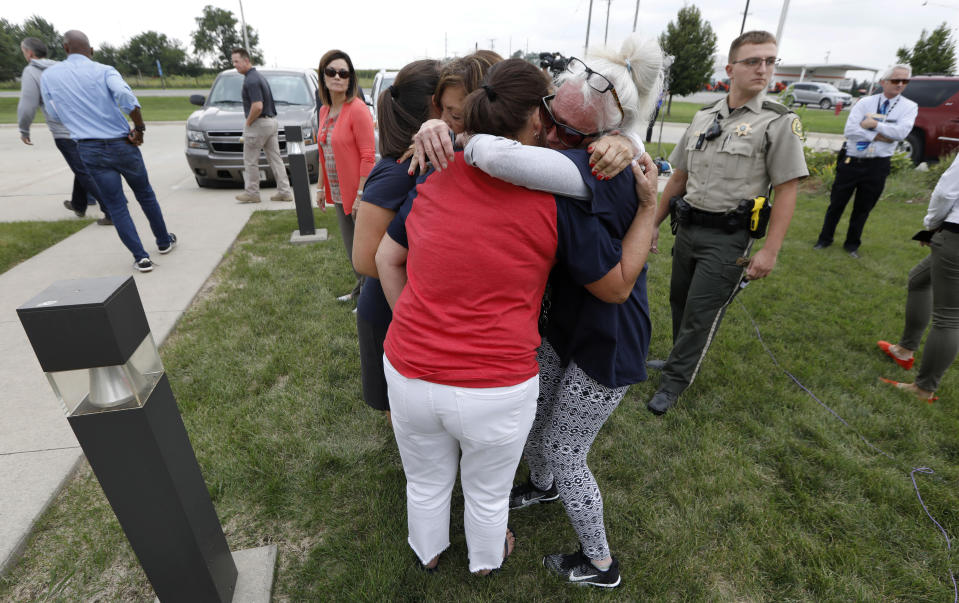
(262, 135)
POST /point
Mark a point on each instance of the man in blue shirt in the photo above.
(88, 97)
(875, 126)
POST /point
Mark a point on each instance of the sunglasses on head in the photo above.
(569, 136)
(899, 81)
(343, 73)
(755, 61)
(596, 81)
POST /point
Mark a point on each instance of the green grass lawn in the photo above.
(747, 491)
(814, 120)
(154, 108)
(22, 240)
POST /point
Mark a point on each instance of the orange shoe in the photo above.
(908, 387)
(906, 364)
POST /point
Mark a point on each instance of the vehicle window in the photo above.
(828, 88)
(289, 89)
(227, 90)
(929, 93)
(802, 86)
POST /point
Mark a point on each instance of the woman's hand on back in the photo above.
(434, 142)
(610, 155)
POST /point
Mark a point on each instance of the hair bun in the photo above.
(490, 93)
(394, 91)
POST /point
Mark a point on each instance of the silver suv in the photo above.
(214, 133)
(817, 93)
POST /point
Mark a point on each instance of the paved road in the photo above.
(38, 451)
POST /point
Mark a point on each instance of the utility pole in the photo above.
(745, 12)
(246, 44)
(445, 44)
(606, 35)
(589, 20)
(635, 16)
(782, 22)
(491, 45)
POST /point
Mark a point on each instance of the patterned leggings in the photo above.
(570, 411)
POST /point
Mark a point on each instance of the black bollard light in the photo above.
(93, 341)
(300, 181)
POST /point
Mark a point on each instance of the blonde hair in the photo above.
(636, 72)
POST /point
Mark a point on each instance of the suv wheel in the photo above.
(913, 146)
(825, 103)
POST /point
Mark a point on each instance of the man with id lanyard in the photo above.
(875, 126)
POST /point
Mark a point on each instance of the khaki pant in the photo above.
(262, 135)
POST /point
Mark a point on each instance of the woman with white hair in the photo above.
(592, 351)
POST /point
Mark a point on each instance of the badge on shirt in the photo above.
(743, 129)
(797, 127)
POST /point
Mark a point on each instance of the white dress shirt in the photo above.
(944, 203)
(899, 120)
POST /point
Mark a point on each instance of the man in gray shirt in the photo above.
(259, 133)
(84, 188)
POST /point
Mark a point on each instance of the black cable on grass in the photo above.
(912, 472)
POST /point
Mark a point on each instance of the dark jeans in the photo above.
(85, 190)
(108, 161)
(864, 178)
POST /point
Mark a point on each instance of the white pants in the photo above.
(263, 135)
(432, 424)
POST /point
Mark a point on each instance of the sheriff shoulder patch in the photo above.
(797, 127)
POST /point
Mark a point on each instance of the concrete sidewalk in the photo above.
(38, 451)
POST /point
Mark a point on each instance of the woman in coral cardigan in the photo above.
(346, 147)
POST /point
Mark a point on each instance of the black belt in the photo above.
(123, 138)
(950, 226)
(698, 217)
(850, 159)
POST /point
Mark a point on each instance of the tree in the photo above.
(933, 53)
(109, 55)
(217, 34)
(38, 27)
(11, 59)
(692, 43)
(144, 50)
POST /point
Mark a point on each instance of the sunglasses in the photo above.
(596, 81)
(905, 81)
(755, 61)
(343, 73)
(569, 136)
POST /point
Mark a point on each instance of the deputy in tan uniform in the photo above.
(733, 151)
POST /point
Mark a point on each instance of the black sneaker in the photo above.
(578, 569)
(169, 247)
(527, 494)
(144, 265)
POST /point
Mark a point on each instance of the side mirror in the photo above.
(197, 99)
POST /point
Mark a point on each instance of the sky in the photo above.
(378, 34)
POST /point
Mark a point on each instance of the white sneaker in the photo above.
(345, 298)
(246, 197)
(282, 197)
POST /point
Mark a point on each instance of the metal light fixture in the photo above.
(93, 341)
(300, 182)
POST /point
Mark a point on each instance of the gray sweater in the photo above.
(30, 99)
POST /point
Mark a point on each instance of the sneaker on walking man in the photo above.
(259, 133)
(90, 99)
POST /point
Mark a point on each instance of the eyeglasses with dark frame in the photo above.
(569, 136)
(343, 73)
(597, 81)
(754, 62)
(898, 81)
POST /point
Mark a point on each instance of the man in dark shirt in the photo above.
(259, 133)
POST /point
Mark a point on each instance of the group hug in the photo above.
(501, 302)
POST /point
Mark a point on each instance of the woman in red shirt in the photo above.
(460, 357)
(346, 147)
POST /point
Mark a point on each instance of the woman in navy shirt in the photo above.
(401, 109)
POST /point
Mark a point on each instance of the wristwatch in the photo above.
(140, 128)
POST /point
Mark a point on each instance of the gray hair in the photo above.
(36, 46)
(636, 72)
(888, 72)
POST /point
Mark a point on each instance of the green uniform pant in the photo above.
(934, 291)
(704, 279)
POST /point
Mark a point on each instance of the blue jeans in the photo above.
(85, 190)
(107, 161)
